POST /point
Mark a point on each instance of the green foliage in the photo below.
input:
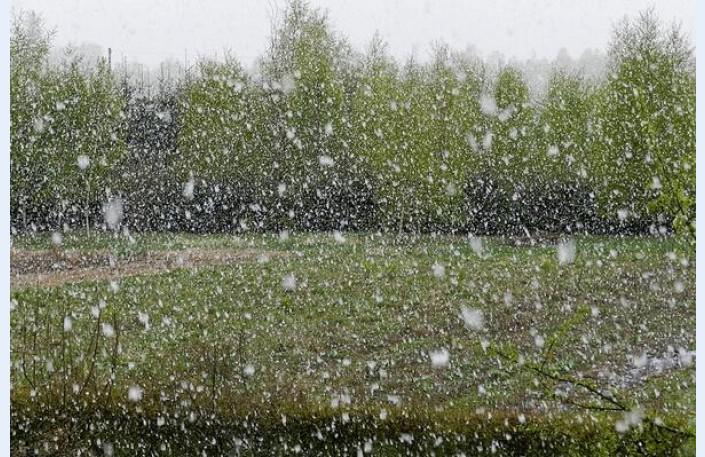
(57, 115)
(510, 127)
(645, 124)
(407, 124)
(29, 46)
(85, 117)
(378, 134)
(319, 137)
(454, 85)
(307, 106)
(216, 136)
(562, 135)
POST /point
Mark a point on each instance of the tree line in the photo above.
(320, 136)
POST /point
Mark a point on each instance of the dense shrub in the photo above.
(534, 207)
(237, 433)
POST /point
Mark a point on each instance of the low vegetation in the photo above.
(330, 343)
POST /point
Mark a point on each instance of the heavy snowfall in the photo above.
(335, 252)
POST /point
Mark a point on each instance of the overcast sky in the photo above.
(150, 31)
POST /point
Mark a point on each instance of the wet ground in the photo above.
(51, 268)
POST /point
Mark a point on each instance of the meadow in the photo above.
(336, 343)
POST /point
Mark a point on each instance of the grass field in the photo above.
(324, 344)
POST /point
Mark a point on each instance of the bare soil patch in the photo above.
(47, 268)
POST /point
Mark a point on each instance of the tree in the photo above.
(305, 74)
(220, 158)
(29, 47)
(561, 196)
(147, 171)
(646, 123)
(510, 125)
(377, 126)
(85, 135)
(503, 144)
(455, 86)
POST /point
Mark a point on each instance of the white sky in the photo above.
(150, 31)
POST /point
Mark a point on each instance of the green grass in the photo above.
(353, 341)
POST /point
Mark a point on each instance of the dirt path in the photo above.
(45, 268)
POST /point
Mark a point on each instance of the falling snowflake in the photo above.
(566, 252)
(39, 125)
(83, 161)
(135, 393)
(112, 212)
(68, 323)
(107, 330)
(477, 246)
(474, 319)
(656, 183)
(632, 418)
(438, 270)
(289, 282)
(440, 358)
(287, 83)
(487, 141)
(338, 237)
(326, 161)
(488, 106)
(189, 188)
(539, 341)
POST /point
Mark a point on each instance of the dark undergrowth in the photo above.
(130, 431)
